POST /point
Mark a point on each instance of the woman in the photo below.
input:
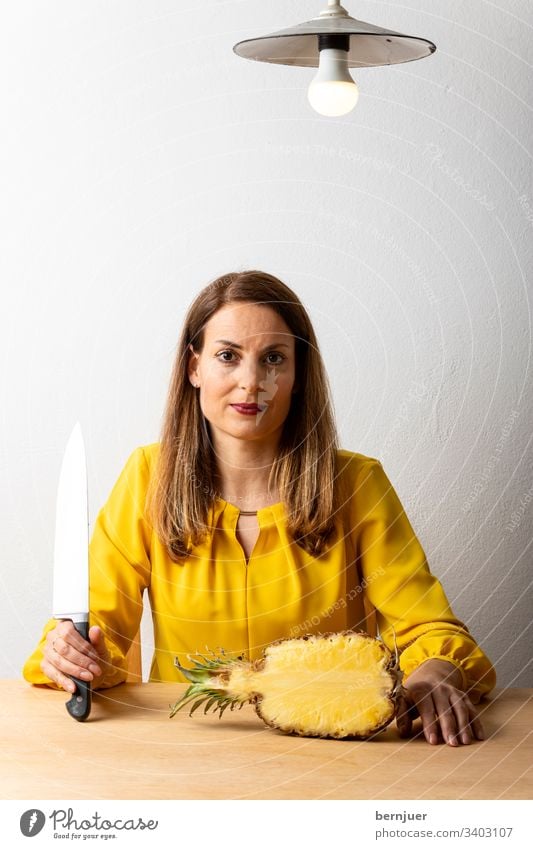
(246, 525)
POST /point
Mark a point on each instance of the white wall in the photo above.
(141, 157)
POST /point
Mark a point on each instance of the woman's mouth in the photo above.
(247, 409)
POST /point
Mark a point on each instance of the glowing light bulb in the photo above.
(333, 92)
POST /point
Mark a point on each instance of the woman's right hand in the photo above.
(66, 654)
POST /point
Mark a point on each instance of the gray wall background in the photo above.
(141, 157)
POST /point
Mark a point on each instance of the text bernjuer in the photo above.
(403, 817)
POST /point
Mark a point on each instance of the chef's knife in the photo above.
(71, 556)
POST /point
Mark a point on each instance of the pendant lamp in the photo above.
(334, 42)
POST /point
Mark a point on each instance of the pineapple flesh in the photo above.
(337, 685)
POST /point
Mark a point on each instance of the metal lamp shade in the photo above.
(369, 45)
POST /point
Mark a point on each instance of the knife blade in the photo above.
(71, 556)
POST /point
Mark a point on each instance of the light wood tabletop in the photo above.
(129, 748)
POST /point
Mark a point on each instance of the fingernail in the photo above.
(86, 674)
(452, 740)
(95, 669)
(480, 735)
(466, 739)
(433, 738)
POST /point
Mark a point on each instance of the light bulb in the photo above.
(333, 92)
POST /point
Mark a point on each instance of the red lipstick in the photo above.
(247, 409)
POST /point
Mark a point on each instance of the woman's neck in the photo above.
(251, 497)
(243, 472)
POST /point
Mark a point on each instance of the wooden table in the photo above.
(129, 748)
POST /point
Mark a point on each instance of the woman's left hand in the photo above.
(434, 692)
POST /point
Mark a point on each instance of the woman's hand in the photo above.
(434, 692)
(66, 653)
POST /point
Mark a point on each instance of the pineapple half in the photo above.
(339, 684)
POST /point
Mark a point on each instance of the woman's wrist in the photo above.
(443, 669)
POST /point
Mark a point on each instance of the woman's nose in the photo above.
(251, 378)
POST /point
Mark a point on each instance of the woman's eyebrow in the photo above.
(234, 344)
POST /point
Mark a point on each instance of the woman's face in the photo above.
(258, 367)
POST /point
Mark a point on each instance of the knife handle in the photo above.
(79, 706)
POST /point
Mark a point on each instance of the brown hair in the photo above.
(303, 471)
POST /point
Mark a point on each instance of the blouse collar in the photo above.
(265, 515)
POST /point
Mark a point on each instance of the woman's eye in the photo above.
(274, 354)
(222, 356)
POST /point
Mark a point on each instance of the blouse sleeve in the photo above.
(410, 602)
(119, 572)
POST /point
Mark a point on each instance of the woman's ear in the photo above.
(192, 366)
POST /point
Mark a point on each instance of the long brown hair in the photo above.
(182, 487)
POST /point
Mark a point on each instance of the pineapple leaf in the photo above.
(222, 707)
(199, 675)
(198, 703)
(211, 702)
(207, 662)
(191, 693)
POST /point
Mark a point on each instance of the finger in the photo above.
(78, 666)
(97, 639)
(70, 661)
(477, 726)
(450, 723)
(468, 721)
(65, 639)
(475, 721)
(106, 661)
(427, 711)
(404, 721)
(462, 718)
(58, 677)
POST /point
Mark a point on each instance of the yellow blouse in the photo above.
(374, 571)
